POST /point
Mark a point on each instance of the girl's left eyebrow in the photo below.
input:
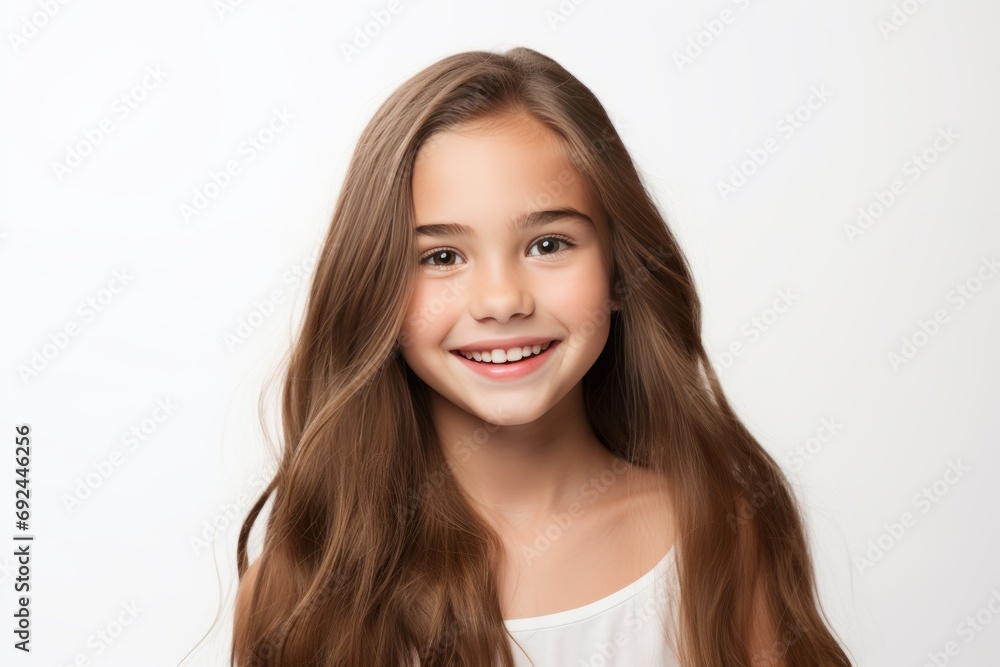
(520, 222)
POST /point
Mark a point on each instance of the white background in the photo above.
(190, 283)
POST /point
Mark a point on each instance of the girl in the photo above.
(504, 441)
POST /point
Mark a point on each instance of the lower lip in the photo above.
(508, 371)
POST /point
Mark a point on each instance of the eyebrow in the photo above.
(520, 222)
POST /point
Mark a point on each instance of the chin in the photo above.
(500, 416)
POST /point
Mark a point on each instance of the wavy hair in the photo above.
(371, 553)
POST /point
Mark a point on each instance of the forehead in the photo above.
(495, 169)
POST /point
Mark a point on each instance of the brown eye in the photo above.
(446, 257)
(440, 257)
(550, 245)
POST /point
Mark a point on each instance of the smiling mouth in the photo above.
(500, 357)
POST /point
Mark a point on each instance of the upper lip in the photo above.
(503, 343)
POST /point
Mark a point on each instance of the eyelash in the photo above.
(431, 253)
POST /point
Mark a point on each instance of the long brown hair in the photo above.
(371, 554)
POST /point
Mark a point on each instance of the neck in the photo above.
(520, 475)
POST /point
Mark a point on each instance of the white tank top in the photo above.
(625, 629)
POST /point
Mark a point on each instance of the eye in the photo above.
(549, 245)
(552, 244)
(438, 255)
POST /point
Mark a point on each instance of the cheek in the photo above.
(583, 294)
(429, 310)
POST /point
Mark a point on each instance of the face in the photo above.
(510, 262)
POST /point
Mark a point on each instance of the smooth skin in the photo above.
(523, 449)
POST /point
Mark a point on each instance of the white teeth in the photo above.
(500, 356)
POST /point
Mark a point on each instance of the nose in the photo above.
(500, 291)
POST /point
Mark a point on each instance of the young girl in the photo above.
(504, 443)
